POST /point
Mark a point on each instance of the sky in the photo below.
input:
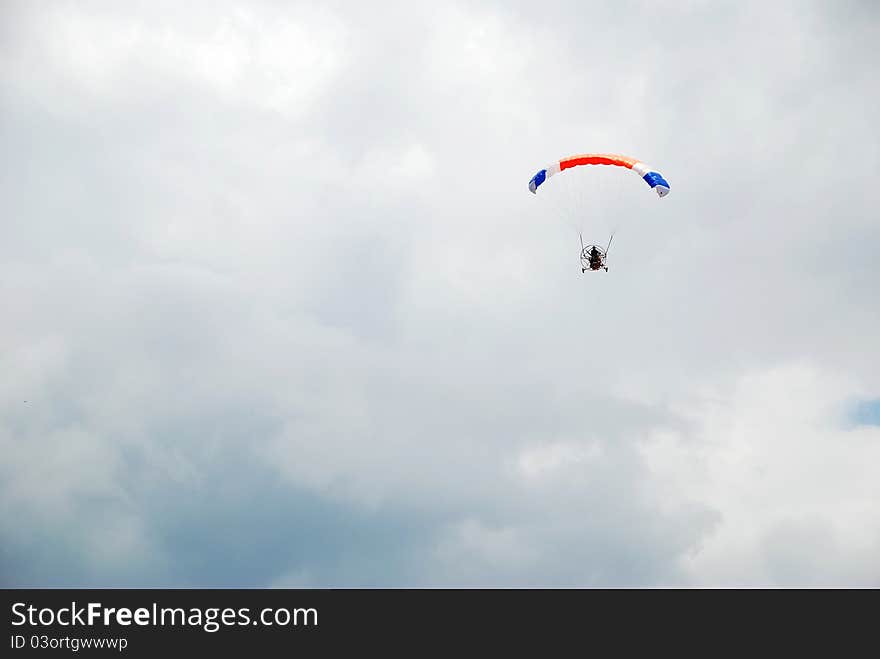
(278, 309)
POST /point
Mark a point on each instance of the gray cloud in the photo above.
(284, 312)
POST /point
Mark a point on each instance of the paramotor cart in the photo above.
(594, 257)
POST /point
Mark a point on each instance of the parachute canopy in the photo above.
(651, 177)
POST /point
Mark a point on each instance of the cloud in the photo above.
(774, 454)
(284, 311)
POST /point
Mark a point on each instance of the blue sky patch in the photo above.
(867, 413)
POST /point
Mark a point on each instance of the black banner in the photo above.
(550, 622)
